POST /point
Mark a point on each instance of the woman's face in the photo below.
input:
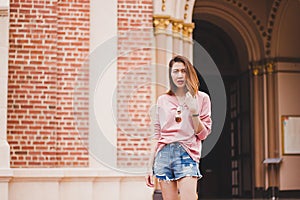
(178, 74)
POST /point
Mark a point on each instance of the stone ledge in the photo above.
(61, 173)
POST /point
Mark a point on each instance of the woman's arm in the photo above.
(153, 147)
(201, 117)
(197, 123)
(149, 176)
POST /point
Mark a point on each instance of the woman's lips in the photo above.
(180, 82)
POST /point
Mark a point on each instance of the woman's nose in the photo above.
(180, 73)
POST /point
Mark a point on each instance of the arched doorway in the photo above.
(227, 169)
(234, 43)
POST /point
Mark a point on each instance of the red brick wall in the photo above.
(49, 42)
(134, 81)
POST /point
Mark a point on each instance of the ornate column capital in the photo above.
(257, 70)
(177, 25)
(270, 67)
(161, 21)
(188, 29)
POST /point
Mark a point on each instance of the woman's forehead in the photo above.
(178, 65)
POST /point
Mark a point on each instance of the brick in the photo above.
(130, 18)
(37, 54)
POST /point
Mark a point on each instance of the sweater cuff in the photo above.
(202, 135)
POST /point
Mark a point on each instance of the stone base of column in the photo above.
(259, 192)
(5, 176)
(273, 193)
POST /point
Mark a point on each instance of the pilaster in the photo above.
(5, 172)
(163, 50)
(187, 32)
(257, 71)
(273, 148)
(4, 32)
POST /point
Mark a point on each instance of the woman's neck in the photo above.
(180, 92)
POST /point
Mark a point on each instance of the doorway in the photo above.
(227, 169)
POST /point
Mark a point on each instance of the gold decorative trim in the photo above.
(188, 29)
(177, 25)
(270, 67)
(3, 13)
(257, 70)
(186, 7)
(185, 15)
(161, 21)
(163, 6)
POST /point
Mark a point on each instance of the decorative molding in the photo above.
(187, 29)
(266, 32)
(161, 21)
(270, 25)
(186, 8)
(3, 12)
(177, 25)
(270, 67)
(257, 70)
(163, 5)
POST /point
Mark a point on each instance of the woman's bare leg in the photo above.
(188, 188)
(169, 190)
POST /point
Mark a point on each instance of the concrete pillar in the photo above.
(4, 31)
(272, 135)
(258, 130)
(163, 51)
(5, 173)
(177, 26)
(188, 40)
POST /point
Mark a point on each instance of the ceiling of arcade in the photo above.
(259, 23)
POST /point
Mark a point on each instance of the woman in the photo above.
(182, 121)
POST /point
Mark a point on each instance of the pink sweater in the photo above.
(167, 130)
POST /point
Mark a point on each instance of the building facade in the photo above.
(79, 81)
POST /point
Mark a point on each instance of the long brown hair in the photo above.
(192, 82)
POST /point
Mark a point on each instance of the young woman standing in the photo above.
(183, 120)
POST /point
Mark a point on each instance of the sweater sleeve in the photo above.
(205, 117)
(157, 128)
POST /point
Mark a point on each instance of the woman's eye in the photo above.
(177, 71)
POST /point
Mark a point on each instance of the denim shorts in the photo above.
(172, 162)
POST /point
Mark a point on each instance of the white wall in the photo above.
(288, 81)
(103, 83)
(4, 146)
(4, 37)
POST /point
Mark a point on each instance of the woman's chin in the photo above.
(180, 86)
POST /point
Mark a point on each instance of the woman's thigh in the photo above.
(169, 190)
(188, 188)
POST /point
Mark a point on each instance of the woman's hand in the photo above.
(191, 103)
(149, 180)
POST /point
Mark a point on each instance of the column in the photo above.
(4, 32)
(188, 40)
(163, 51)
(5, 172)
(258, 121)
(163, 54)
(272, 139)
(177, 26)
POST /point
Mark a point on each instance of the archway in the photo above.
(234, 43)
